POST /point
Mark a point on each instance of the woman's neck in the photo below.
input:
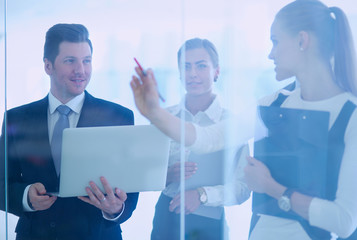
(317, 83)
(196, 103)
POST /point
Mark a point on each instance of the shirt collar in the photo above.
(213, 112)
(74, 104)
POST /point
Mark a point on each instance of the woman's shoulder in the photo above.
(269, 99)
(352, 98)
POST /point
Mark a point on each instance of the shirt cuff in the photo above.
(215, 195)
(25, 203)
(109, 218)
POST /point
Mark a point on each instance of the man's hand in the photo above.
(38, 198)
(109, 202)
(173, 172)
(192, 202)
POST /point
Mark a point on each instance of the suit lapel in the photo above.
(40, 113)
(88, 117)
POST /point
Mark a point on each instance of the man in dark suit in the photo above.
(31, 171)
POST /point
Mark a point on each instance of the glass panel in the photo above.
(153, 32)
(119, 31)
(3, 216)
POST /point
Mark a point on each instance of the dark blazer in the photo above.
(30, 161)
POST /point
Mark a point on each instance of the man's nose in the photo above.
(79, 68)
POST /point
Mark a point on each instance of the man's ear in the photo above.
(304, 40)
(48, 66)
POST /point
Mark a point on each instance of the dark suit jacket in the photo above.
(30, 161)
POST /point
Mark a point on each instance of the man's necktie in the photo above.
(56, 143)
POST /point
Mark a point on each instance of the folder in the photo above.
(212, 169)
(295, 151)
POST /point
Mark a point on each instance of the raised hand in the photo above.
(145, 92)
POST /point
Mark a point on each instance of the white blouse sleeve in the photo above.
(235, 191)
(209, 138)
(340, 216)
(231, 132)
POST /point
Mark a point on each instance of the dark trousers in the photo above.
(166, 224)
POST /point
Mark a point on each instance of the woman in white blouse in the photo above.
(313, 42)
(205, 129)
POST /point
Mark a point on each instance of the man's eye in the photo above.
(69, 61)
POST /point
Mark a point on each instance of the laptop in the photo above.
(132, 158)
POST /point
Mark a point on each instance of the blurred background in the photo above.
(152, 31)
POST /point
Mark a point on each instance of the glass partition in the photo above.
(152, 32)
(3, 216)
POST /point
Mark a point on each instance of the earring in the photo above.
(215, 78)
(301, 49)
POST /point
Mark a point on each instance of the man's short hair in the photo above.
(62, 32)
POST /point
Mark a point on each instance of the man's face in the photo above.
(71, 71)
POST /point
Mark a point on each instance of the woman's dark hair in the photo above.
(61, 32)
(331, 27)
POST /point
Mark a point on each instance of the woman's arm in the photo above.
(200, 139)
(147, 101)
(339, 216)
(259, 180)
(235, 191)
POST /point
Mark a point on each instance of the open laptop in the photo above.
(132, 158)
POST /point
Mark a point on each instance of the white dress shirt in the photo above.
(75, 105)
(212, 130)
